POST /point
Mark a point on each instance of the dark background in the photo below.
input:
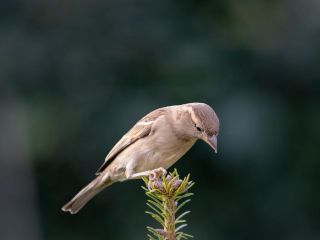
(76, 75)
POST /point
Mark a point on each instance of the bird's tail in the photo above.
(85, 195)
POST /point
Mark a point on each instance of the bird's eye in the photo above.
(198, 128)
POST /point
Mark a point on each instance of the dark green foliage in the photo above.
(167, 195)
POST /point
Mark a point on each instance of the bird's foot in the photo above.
(157, 173)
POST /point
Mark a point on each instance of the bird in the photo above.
(151, 146)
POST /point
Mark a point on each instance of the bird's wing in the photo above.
(140, 130)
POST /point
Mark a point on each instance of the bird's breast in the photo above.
(164, 152)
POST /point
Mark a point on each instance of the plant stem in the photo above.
(169, 222)
(166, 196)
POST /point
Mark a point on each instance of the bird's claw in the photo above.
(157, 173)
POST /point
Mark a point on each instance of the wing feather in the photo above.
(140, 130)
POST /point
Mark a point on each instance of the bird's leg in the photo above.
(153, 174)
(157, 173)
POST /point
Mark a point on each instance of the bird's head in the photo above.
(205, 123)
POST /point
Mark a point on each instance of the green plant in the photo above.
(167, 195)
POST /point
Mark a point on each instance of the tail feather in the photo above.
(85, 195)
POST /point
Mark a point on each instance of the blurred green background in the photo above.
(76, 75)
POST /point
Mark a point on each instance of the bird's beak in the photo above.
(212, 141)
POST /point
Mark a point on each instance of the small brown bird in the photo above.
(154, 143)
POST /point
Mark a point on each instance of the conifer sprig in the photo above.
(167, 195)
